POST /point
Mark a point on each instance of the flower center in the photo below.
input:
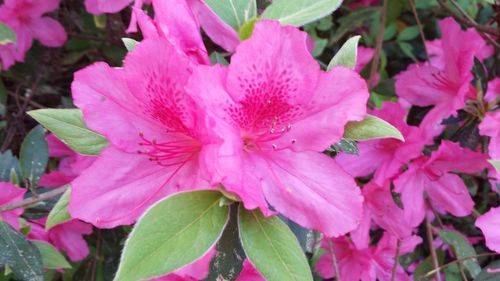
(170, 153)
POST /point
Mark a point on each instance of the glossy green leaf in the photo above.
(7, 35)
(129, 43)
(272, 247)
(371, 127)
(495, 163)
(8, 165)
(300, 12)
(234, 12)
(51, 257)
(172, 233)
(22, 257)
(462, 248)
(59, 213)
(409, 33)
(347, 55)
(34, 155)
(68, 126)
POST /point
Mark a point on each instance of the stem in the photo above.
(430, 238)
(456, 261)
(396, 261)
(378, 44)
(420, 27)
(33, 200)
(334, 259)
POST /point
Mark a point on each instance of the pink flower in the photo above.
(198, 270)
(249, 273)
(385, 157)
(493, 91)
(67, 237)
(446, 191)
(277, 111)
(437, 57)
(367, 263)
(156, 134)
(362, 3)
(70, 166)
(490, 126)
(365, 55)
(9, 193)
(489, 223)
(26, 18)
(97, 7)
(446, 87)
(379, 207)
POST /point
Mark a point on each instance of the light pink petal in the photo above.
(9, 193)
(365, 55)
(340, 97)
(97, 7)
(435, 51)
(451, 157)
(110, 109)
(55, 179)
(220, 32)
(451, 194)
(57, 148)
(38, 8)
(361, 235)
(176, 20)
(489, 223)
(493, 91)
(119, 186)
(275, 63)
(384, 210)
(491, 127)
(313, 191)
(369, 159)
(411, 186)
(249, 273)
(68, 237)
(49, 32)
(459, 49)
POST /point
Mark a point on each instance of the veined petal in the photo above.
(312, 190)
(411, 186)
(451, 194)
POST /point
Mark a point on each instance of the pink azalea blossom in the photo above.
(67, 237)
(493, 91)
(437, 57)
(98, 7)
(446, 87)
(489, 223)
(365, 55)
(432, 175)
(198, 270)
(368, 263)
(9, 193)
(385, 157)
(26, 18)
(277, 111)
(380, 208)
(156, 134)
(249, 273)
(70, 166)
(490, 126)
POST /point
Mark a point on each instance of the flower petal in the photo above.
(489, 223)
(49, 32)
(451, 194)
(411, 186)
(312, 190)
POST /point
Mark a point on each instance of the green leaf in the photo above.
(59, 213)
(129, 43)
(172, 233)
(354, 20)
(7, 35)
(487, 275)
(371, 127)
(9, 165)
(51, 257)
(34, 155)
(427, 266)
(272, 247)
(246, 29)
(407, 49)
(218, 58)
(22, 257)
(347, 146)
(300, 12)
(347, 54)
(495, 163)
(234, 12)
(68, 126)
(409, 33)
(462, 248)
